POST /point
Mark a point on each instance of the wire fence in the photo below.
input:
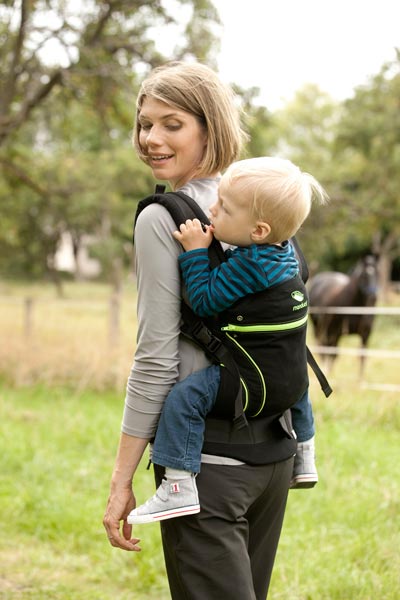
(31, 321)
(359, 352)
(107, 323)
(358, 310)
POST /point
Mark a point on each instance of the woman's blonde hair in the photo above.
(196, 89)
(277, 192)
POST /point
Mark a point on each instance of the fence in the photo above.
(360, 352)
(29, 304)
(77, 341)
(111, 325)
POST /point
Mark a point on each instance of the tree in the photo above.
(304, 132)
(257, 122)
(68, 81)
(368, 147)
(46, 45)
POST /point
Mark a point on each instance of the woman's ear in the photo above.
(261, 232)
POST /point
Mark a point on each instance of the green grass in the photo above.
(340, 540)
(59, 425)
(57, 450)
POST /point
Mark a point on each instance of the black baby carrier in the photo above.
(263, 360)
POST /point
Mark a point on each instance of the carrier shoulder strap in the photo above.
(304, 272)
(182, 207)
(324, 383)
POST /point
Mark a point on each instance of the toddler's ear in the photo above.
(261, 232)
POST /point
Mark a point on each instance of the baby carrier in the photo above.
(263, 362)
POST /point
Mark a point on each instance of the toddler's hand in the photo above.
(192, 235)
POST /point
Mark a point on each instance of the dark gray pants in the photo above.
(228, 549)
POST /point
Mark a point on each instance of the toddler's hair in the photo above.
(278, 193)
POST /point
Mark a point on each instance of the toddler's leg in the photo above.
(178, 446)
(305, 473)
(177, 496)
(180, 431)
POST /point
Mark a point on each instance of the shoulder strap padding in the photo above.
(304, 273)
(182, 207)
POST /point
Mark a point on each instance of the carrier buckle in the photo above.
(206, 338)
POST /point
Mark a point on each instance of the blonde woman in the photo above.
(188, 131)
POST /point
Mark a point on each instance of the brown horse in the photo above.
(334, 289)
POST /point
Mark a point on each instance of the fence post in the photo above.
(28, 317)
(114, 317)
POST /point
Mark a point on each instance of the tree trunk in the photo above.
(385, 248)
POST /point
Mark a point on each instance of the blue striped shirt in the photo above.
(247, 270)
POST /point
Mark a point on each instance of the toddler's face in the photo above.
(231, 219)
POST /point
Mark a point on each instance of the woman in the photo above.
(188, 131)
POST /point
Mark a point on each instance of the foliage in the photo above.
(66, 103)
(257, 122)
(304, 131)
(368, 149)
(92, 53)
(352, 148)
(68, 83)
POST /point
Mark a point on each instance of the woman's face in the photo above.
(173, 140)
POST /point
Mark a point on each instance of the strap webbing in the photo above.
(326, 388)
(219, 354)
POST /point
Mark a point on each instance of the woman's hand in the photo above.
(120, 503)
(121, 500)
(192, 235)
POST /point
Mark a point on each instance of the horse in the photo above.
(335, 289)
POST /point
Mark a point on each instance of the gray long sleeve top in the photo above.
(162, 356)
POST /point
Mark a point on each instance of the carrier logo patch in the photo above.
(298, 296)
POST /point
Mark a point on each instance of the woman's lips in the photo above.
(160, 159)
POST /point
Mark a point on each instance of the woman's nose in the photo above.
(153, 136)
(212, 209)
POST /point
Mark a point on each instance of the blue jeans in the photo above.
(303, 418)
(180, 431)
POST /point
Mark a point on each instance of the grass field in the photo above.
(61, 396)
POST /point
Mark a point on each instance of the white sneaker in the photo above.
(172, 499)
(304, 471)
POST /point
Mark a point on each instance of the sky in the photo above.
(280, 45)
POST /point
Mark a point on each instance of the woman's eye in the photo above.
(173, 126)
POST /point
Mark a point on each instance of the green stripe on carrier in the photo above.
(265, 326)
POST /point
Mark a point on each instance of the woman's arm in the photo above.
(122, 500)
(155, 369)
(161, 357)
(156, 364)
